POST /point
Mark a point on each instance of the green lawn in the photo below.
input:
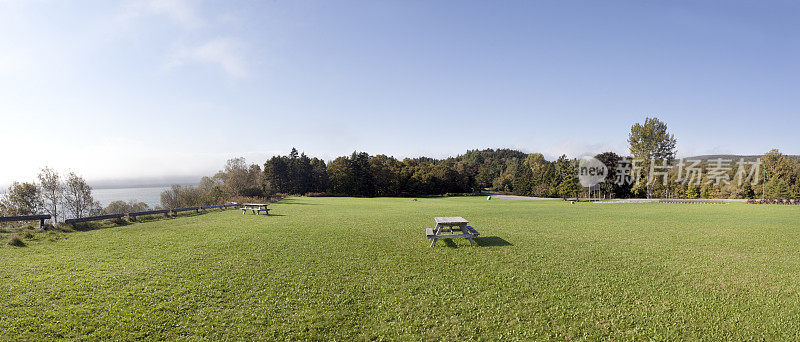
(344, 269)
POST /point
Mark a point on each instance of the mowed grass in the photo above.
(345, 269)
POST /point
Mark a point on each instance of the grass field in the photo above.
(344, 268)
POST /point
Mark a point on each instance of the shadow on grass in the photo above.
(490, 241)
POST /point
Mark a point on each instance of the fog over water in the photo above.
(151, 196)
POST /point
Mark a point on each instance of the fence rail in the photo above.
(133, 215)
(40, 218)
(186, 209)
(93, 218)
(149, 212)
(205, 207)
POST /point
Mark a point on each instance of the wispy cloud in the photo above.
(223, 52)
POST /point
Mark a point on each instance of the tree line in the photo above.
(60, 196)
(529, 174)
(499, 170)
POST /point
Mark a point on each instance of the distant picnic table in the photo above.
(256, 208)
(450, 225)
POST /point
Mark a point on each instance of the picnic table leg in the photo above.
(436, 231)
(465, 231)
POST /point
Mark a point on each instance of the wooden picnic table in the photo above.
(255, 208)
(450, 225)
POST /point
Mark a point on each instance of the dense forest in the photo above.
(651, 170)
(511, 171)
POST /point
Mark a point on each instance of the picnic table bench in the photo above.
(255, 208)
(451, 225)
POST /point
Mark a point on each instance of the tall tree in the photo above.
(543, 175)
(569, 186)
(52, 191)
(213, 189)
(276, 175)
(609, 185)
(651, 142)
(364, 182)
(386, 174)
(303, 174)
(319, 175)
(236, 177)
(777, 164)
(340, 176)
(78, 200)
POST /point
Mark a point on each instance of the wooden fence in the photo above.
(93, 218)
(131, 216)
(40, 218)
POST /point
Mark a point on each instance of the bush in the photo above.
(462, 194)
(122, 207)
(16, 241)
(25, 234)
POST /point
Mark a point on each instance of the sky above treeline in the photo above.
(172, 88)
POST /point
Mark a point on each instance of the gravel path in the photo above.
(621, 200)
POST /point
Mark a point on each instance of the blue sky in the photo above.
(140, 89)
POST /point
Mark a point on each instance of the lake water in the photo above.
(151, 196)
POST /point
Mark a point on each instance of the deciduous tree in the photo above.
(52, 190)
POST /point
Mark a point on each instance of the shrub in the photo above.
(25, 234)
(122, 207)
(16, 241)
(462, 194)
